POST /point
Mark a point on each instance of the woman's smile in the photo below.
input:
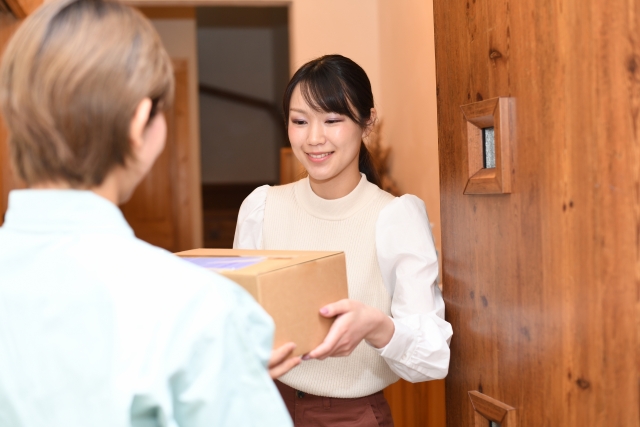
(319, 157)
(326, 143)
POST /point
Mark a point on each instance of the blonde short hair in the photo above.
(70, 82)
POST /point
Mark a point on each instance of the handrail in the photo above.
(272, 109)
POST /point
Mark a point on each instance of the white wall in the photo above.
(408, 72)
(349, 28)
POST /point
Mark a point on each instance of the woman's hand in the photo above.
(355, 321)
(279, 364)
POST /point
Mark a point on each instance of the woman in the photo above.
(393, 324)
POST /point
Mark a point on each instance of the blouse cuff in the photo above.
(402, 344)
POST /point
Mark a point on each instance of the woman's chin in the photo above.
(319, 175)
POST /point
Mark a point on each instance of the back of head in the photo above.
(70, 82)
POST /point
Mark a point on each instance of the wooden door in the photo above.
(11, 13)
(541, 284)
(8, 25)
(291, 170)
(164, 209)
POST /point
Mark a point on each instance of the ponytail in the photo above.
(366, 165)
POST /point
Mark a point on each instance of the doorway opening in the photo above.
(243, 69)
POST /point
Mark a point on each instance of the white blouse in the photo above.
(419, 348)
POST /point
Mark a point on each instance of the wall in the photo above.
(393, 42)
(350, 28)
(408, 81)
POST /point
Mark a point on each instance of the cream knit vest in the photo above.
(297, 219)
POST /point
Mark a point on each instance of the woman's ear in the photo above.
(373, 118)
(139, 123)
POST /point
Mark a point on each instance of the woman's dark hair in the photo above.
(336, 84)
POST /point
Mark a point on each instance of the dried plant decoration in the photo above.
(380, 158)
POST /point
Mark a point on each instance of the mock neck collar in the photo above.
(336, 209)
(63, 211)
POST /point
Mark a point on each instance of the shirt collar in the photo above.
(59, 211)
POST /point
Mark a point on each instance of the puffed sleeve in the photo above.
(250, 218)
(419, 348)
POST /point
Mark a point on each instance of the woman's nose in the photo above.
(316, 135)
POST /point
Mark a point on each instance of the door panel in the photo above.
(417, 404)
(541, 285)
(163, 210)
(8, 25)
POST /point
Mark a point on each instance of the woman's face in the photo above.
(327, 144)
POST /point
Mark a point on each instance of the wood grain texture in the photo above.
(417, 404)
(490, 409)
(23, 8)
(165, 210)
(497, 113)
(291, 170)
(190, 3)
(8, 25)
(543, 286)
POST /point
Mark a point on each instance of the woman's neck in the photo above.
(338, 186)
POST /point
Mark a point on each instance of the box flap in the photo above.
(274, 260)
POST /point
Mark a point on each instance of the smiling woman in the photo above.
(393, 324)
(331, 116)
(327, 145)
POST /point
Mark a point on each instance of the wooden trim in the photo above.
(8, 181)
(22, 8)
(183, 3)
(240, 98)
(175, 12)
(188, 212)
(489, 409)
(291, 170)
(496, 113)
(251, 101)
(16, 8)
(417, 404)
(4, 7)
(485, 181)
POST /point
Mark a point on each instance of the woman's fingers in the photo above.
(336, 308)
(332, 341)
(353, 321)
(279, 354)
(324, 350)
(284, 367)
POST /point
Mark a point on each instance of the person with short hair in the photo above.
(98, 328)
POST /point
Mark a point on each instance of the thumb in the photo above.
(336, 308)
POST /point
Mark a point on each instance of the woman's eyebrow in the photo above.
(297, 110)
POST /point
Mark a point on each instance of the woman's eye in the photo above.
(332, 121)
(297, 122)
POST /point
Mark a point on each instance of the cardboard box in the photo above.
(291, 286)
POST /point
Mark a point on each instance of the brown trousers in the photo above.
(308, 410)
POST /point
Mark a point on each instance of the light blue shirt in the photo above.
(98, 328)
